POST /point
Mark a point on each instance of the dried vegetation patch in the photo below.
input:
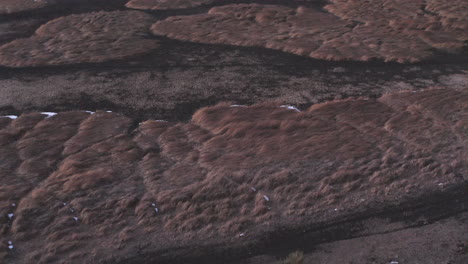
(389, 30)
(91, 37)
(94, 188)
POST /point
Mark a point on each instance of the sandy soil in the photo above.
(265, 152)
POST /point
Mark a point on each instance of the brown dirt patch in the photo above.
(91, 37)
(354, 30)
(227, 178)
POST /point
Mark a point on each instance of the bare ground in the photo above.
(231, 180)
(375, 178)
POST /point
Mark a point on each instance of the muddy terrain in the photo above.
(217, 131)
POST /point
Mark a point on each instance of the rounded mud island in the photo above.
(220, 131)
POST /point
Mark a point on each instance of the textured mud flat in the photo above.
(98, 187)
(90, 37)
(293, 125)
(353, 30)
(385, 30)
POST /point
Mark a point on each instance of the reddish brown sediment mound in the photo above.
(94, 189)
(389, 30)
(420, 14)
(453, 13)
(14, 6)
(436, 23)
(91, 37)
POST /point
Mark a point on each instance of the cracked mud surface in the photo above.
(370, 170)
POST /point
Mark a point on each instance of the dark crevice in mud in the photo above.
(183, 109)
(181, 112)
(416, 213)
(431, 208)
(84, 102)
(9, 110)
(423, 8)
(204, 8)
(423, 211)
(170, 49)
(25, 33)
(80, 6)
(272, 68)
(176, 54)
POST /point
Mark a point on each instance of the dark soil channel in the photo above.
(81, 6)
(189, 57)
(186, 56)
(183, 54)
(432, 207)
(181, 112)
(203, 9)
(71, 7)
